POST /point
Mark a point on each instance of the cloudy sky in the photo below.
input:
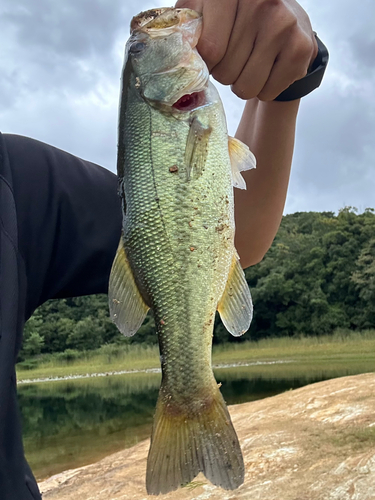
(60, 66)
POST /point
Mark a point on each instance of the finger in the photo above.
(218, 19)
(282, 53)
(190, 4)
(255, 73)
(259, 65)
(240, 47)
(315, 50)
(291, 65)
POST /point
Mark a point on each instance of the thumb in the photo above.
(196, 5)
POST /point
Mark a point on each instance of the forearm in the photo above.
(268, 128)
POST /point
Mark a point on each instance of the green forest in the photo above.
(318, 276)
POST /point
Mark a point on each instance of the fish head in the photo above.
(163, 56)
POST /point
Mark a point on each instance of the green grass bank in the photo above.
(339, 348)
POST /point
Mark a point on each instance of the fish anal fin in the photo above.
(183, 445)
(196, 148)
(241, 159)
(126, 305)
(235, 306)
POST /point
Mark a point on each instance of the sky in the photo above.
(60, 65)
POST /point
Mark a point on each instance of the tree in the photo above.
(318, 275)
(33, 342)
(364, 279)
(86, 335)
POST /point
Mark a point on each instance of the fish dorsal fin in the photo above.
(241, 159)
(235, 306)
(196, 148)
(126, 305)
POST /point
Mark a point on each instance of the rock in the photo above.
(314, 443)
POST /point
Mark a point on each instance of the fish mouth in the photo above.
(187, 71)
(156, 22)
(188, 102)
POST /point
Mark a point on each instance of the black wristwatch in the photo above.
(312, 80)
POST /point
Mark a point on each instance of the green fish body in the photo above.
(177, 253)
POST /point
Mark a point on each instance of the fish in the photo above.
(176, 169)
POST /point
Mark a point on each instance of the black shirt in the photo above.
(60, 224)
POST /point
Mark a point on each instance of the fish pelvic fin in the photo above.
(182, 445)
(235, 306)
(241, 159)
(126, 306)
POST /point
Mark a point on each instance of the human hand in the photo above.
(259, 47)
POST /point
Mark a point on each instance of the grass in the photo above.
(341, 344)
(107, 358)
(339, 348)
(355, 438)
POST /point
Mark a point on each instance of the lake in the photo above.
(67, 424)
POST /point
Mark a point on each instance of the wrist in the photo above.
(274, 109)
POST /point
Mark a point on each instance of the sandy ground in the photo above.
(314, 443)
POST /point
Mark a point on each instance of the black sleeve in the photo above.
(69, 220)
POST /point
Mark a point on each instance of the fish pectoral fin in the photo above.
(241, 159)
(126, 305)
(184, 444)
(235, 306)
(196, 148)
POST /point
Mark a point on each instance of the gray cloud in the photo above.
(62, 48)
(51, 50)
(60, 69)
(362, 46)
(334, 163)
(77, 29)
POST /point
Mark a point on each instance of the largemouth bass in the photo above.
(176, 169)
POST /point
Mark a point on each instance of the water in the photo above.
(72, 423)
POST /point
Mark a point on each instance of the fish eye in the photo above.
(137, 47)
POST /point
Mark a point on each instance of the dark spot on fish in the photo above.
(192, 249)
(162, 322)
(173, 169)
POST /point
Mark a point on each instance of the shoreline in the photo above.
(145, 370)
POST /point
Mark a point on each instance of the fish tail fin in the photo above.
(183, 445)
